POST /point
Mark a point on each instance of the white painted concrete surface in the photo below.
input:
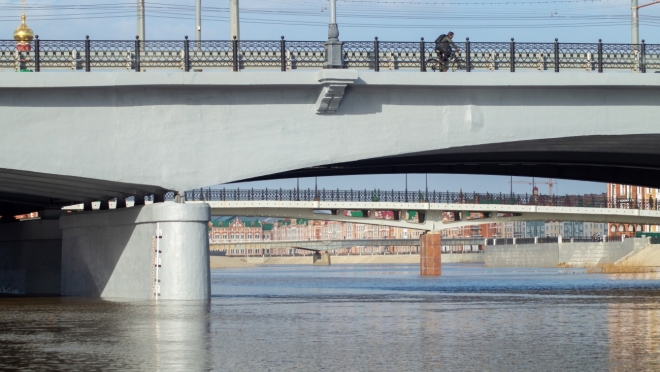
(188, 130)
(552, 254)
(109, 253)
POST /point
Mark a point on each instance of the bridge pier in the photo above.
(430, 254)
(30, 257)
(321, 258)
(113, 253)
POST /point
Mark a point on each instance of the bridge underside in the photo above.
(629, 159)
(315, 245)
(24, 192)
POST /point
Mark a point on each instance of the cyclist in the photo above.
(443, 46)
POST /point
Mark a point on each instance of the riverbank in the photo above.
(220, 262)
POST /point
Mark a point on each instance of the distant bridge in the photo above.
(332, 245)
(423, 209)
(315, 245)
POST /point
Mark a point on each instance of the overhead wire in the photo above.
(449, 12)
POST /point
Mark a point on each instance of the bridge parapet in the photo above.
(185, 55)
(322, 198)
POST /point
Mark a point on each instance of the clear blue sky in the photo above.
(490, 20)
(533, 21)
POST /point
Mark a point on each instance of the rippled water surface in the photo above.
(352, 318)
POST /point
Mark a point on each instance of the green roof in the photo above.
(227, 223)
(267, 226)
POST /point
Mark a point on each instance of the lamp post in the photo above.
(234, 20)
(333, 47)
(141, 22)
(198, 30)
(406, 187)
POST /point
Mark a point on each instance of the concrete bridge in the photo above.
(572, 126)
(313, 245)
(73, 138)
(428, 216)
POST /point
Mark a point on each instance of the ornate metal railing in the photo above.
(420, 196)
(286, 55)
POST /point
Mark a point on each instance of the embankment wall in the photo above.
(554, 254)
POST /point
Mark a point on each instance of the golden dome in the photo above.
(23, 33)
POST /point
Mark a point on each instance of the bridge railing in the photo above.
(186, 55)
(420, 196)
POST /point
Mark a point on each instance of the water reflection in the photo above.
(352, 318)
(66, 334)
(634, 332)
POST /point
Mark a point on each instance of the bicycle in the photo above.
(454, 62)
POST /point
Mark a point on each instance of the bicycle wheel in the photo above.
(456, 65)
(433, 63)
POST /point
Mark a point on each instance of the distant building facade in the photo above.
(633, 197)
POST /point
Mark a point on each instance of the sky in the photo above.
(481, 20)
(407, 20)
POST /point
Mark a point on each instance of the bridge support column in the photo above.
(112, 253)
(321, 258)
(30, 257)
(430, 250)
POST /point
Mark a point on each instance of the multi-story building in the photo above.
(239, 230)
(236, 230)
(634, 197)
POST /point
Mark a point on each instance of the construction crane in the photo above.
(550, 182)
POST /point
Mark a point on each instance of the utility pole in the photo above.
(333, 47)
(635, 21)
(234, 20)
(198, 35)
(140, 20)
(635, 18)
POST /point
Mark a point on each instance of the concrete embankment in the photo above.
(561, 254)
(238, 262)
(648, 256)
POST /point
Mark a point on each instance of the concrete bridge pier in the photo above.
(430, 250)
(30, 257)
(321, 258)
(154, 251)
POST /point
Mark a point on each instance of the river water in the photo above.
(352, 318)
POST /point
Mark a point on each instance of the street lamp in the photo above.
(333, 47)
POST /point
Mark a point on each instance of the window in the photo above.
(256, 236)
(249, 236)
(224, 236)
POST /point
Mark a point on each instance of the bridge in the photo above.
(112, 134)
(423, 209)
(264, 246)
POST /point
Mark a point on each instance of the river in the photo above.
(352, 318)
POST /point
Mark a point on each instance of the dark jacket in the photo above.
(446, 44)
